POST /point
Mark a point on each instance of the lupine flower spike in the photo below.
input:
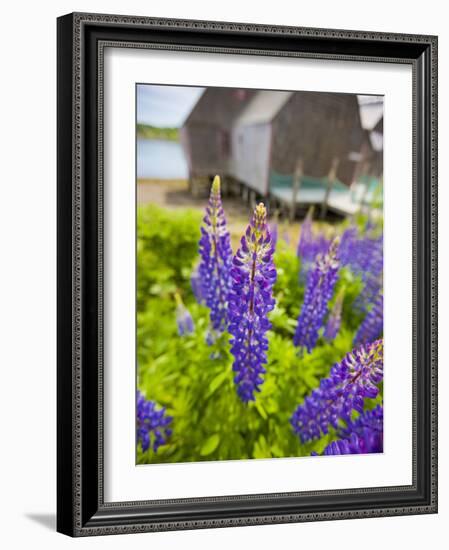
(348, 246)
(365, 258)
(274, 229)
(309, 245)
(274, 233)
(197, 286)
(372, 326)
(352, 380)
(371, 270)
(183, 318)
(363, 435)
(250, 300)
(216, 259)
(306, 236)
(152, 425)
(320, 285)
(334, 321)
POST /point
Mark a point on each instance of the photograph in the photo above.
(259, 276)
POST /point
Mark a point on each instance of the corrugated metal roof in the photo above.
(263, 107)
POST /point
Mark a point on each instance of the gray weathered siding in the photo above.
(250, 158)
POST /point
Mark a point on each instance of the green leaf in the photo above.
(277, 451)
(216, 383)
(261, 410)
(210, 445)
(261, 448)
(272, 406)
(311, 380)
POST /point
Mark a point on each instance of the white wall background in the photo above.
(27, 272)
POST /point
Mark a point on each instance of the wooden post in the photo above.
(366, 172)
(252, 199)
(297, 177)
(331, 177)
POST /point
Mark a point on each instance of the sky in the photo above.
(165, 106)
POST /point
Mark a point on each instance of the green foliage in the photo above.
(352, 286)
(194, 381)
(167, 246)
(288, 292)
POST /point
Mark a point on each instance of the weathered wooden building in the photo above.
(293, 146)
(371, 115)
(206, 133)
(317, 129)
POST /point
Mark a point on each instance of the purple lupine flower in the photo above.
(197, 286)
(183, 318)
(338, 447)
(320, 285)
(352, 380)
(250, 300)
(373, 324)
(216, 259)
(365, 258)
(274, 233)
(372, 286)
(361, 436)
(152, 425)
(347, 244)
(371, 270)
(310, 245)
(369, 226)
(368, 426)
(306, 235)
(334, 320)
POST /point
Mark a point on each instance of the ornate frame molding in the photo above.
(81, 42)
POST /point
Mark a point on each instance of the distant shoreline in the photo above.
(152, 132)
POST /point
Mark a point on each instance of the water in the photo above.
(161, 159)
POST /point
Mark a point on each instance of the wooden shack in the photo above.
(314, 128)
(252, 139)
(206, 133)
(296, 147)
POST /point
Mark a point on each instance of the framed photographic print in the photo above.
(247, 282)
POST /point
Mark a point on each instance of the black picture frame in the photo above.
(81, 509)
